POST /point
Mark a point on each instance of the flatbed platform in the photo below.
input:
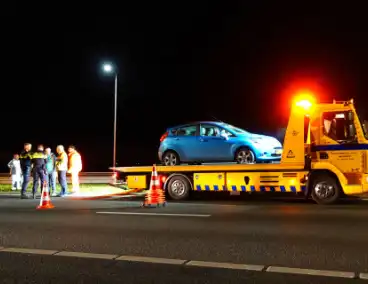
(213, 168)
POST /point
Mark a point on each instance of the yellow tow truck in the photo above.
(325, 156)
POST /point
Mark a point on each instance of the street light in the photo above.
(108, 68)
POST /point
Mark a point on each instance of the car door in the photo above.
(213, 146)
(186, 143)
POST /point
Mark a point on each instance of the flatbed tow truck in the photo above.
(325, 156)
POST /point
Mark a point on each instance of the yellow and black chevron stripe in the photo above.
(251, 188)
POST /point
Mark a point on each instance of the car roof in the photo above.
(199, 122)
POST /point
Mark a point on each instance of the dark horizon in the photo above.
(236, 62)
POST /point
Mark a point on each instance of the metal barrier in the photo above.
(84, 177)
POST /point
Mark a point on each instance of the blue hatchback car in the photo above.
(209, 141)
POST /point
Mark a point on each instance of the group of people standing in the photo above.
(45, 167)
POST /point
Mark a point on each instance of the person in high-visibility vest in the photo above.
(61, 168)
(38, 160)
(26, 166)
(75, 167)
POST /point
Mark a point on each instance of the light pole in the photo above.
(108, 68)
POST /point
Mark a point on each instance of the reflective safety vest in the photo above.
(38, 159)
(25, 160)
(75, 162)
(62, 162)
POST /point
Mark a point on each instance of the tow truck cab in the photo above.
(339, 146)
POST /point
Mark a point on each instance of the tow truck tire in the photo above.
(325, 189)
(178, 187)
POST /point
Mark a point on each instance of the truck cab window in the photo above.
(339, 126)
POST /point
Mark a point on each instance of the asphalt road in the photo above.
(195, 238)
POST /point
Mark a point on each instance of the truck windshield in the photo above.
(363, 123)
(364, 126)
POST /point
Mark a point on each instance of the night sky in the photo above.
(234, 61)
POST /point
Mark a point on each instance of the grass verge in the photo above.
(84, 188)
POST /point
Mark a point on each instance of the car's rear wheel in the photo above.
(170, 158)
(245, 156)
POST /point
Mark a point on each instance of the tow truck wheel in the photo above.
(245, 156)
(170, 158)
(325, 189)
(178, 187)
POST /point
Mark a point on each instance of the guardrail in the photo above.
(84, 177)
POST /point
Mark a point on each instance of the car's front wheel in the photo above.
(245, 156)
(170, 158)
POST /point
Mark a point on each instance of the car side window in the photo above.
(225, 133)
(214, 131)
(209, 130)
(187, 131)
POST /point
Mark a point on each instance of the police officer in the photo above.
(39, 168)
(26, 166)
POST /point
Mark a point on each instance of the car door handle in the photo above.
(203, 140)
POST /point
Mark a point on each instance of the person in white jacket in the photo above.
(15, 172)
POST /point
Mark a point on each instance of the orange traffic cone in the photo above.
(155, 195)
(45, 202)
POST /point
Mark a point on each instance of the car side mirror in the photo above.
(224, 136)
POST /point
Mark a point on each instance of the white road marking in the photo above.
(155, 214)
(151, 259)
(122, 196)
(226, 265)
(86, 255)
(211, 204)
(363, 276)
(313, 272)
(234, 266)
(30, 251)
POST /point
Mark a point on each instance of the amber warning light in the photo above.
(305, 100)
(306, 104)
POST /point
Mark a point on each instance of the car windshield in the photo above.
(235, 129)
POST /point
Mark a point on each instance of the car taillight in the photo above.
(163, 137)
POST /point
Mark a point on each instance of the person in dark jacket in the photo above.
(39, 168)
(26, 166)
